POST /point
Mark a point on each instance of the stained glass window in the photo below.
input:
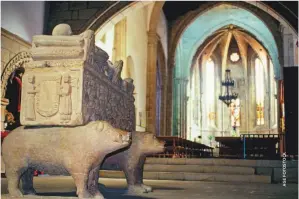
(210, 88)
(259, 86)
(235, 113)
(273, 89)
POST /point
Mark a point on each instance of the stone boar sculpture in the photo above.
(59, 151)
(130, 160)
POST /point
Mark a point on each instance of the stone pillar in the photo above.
(151, 82)
(279, 117)
(178, 106)
(4, 103)
(163, 101)
(182, 107)
(267, 106)
(185, 100)
(169, 101)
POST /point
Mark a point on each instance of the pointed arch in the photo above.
(151, 67)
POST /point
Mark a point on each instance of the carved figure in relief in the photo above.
(88, 37)
(117, 71)
(109, 70)
(75, 93)
(129, 85)
(30, 101)
(65, 108)
(102, 99)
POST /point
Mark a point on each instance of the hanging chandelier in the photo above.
(228, 94)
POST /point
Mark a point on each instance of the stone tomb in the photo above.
(70, 82)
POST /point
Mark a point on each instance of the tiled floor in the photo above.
(116, 188)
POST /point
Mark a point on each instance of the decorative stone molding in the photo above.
(14, 37)
(70, 82)
(4, 103)
(17, 61)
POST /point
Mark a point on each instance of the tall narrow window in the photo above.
(235, 113)
(273, 96)
(210, 90)
(259, 86)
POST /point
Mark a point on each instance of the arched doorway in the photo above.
(13, 94)
(11, 84)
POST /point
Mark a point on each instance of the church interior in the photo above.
(212, 79)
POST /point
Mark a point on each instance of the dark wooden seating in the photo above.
(253, 146)
(177, 147)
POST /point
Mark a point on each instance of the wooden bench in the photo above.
(251, 146)
(177, 147)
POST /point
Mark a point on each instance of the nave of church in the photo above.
(211, 79)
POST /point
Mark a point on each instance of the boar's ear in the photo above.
(100, 126)
(97, 125)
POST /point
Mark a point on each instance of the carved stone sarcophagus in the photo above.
(70, 82)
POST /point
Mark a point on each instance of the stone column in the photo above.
(267, 106)
(175, 98)
(4, 103)
(182, 106)
(279, 117)
(151, 82)
(164, 101)
(169, 102)
(178, 106)
(185, 108)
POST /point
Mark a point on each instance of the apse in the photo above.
(255, 108)
(236, 39)
(199, 30)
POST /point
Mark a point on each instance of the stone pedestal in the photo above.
(70, 82)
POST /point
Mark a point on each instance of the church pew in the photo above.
(178, 147)
(257, 146)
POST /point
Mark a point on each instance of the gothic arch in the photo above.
(183, 23)
(151, 67)
(17, 61)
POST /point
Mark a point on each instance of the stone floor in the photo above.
(116, 189)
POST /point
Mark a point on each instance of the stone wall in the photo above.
(79, 15)
(10, 46)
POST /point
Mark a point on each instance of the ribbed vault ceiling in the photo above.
(222, 39)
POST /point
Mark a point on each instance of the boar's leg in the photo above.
(27, 182)
(93, 182)
(140, 174)
(13, 179)
(133, 170)
(147, 188)
(80, 172)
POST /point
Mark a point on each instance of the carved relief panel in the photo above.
(103, 100)
(51, 98)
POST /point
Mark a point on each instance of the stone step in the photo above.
(222, 162)
(215, 177)
(199, 169)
